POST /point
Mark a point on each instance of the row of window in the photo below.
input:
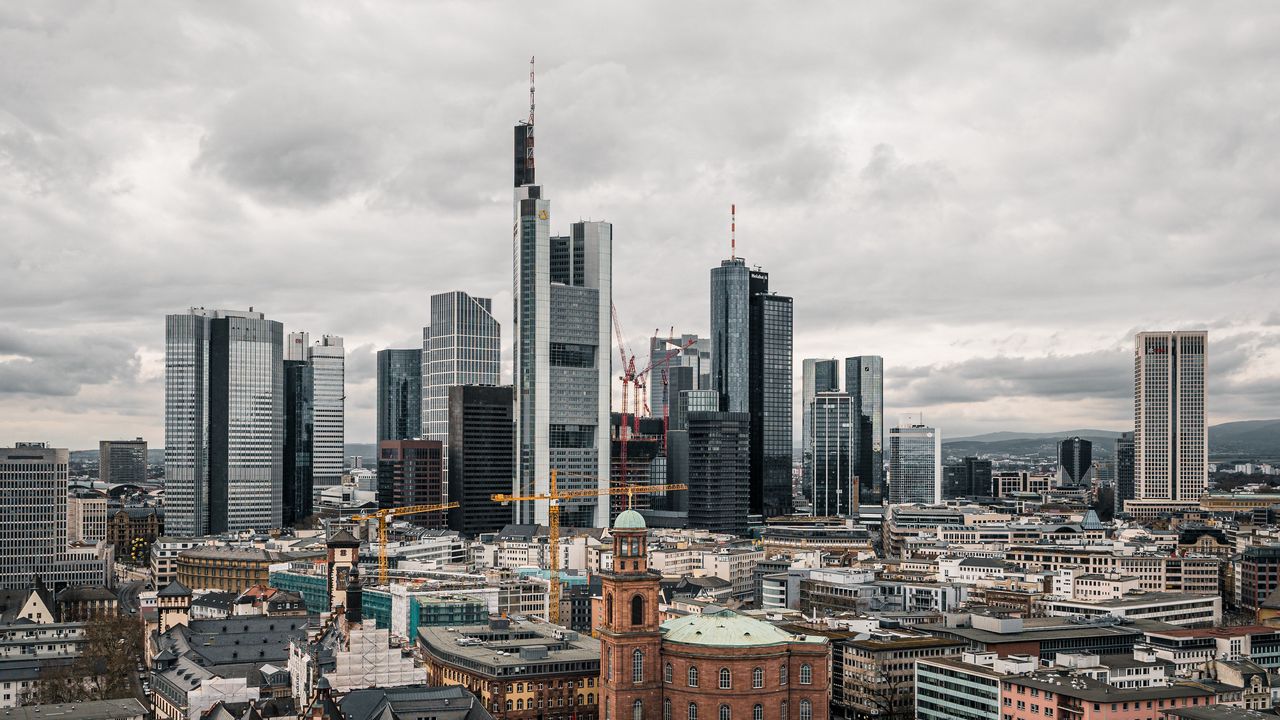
(726, 677)
(725, 712)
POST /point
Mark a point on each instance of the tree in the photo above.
(104, 669)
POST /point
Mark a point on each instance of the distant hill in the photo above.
(1252, 439)
(1043, 445)
(1244, 440)
(1010, 435)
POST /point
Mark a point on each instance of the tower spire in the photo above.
(531, 59)
(733, 231)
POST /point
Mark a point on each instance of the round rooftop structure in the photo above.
(629, 520)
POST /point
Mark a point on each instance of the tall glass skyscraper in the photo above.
(328, 404)
(461, 346)
(224, 422)
(400, 407)
(299, 439)
(1170, 437)
(697, 357)
(833, 452)
(1075, 461)
(562, 293)
(864, 380)
(816, 375)
(751, 336)
(915, 463)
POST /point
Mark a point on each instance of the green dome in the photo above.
(629, 520)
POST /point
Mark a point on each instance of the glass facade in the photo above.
(400, 405)
(771, 407)
(461, 346)
(481, 458)
(1075, 461)
(719, 473)
(730, 334)
(328, 363)
(695, 357)
(1124, 470)
(864, 380)
(299, 426)
(122, 461)
(915, 470)
(817, 375)
(833, 450)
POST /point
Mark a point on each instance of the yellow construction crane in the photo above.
(382, 515)
(553, 498)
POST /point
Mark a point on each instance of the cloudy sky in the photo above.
(993, 196)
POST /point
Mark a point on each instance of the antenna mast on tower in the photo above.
(531, 58)
(733, 231)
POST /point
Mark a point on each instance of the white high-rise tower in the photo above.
(1170, 437)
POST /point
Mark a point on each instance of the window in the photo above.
(693, 711)
(757, 712)
(637, 611)
(637, 710)
(637, 666)
(806, 710)
(724, 712)
(757, 678)
(666, 709)
(806, 675)
(782, 713)
(782, 675)
(693, 677)
(666, 673)
(726, 679)
(608, 609)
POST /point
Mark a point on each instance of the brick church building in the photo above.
(719, 665)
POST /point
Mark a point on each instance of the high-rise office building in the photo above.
(461, 346)
(328, 404)
(224, 422)
(122, 461)
(644, 449)
(400, 407)
(719, 471)
(481, 456)
(864, 380)
(33, 503)
(1170, 437)
(751, 344)
(685, 351)
(832, 452)
(411, 472)
(1124, 470)
(817, 375)
(297, 479)
(1075, 461)
(971, 477)
(562, 296)
(915, 463)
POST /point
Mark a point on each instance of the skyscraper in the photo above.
(719, 471)
(33, 503)
(1075, 461)
(481, 456)
(915, 463)
(122, 461)
(562, 295)
(461, 346)
(751, 335)
(687, 351)
(411, 472)
(832, 451)
(817, 375)
(298, 483)
(1170, 438)
(971, 477)
(864, 380)
(327, 361)
(1124, 470)
(400, 407)
(224, 422)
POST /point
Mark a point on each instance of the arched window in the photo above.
(520, 704)
(581, 698)
(591, 698)
(666, 709)
(519, 687)
(782, 675)
(637, 710)
(509, 704)
(637, 611)
(806, 710)
(785, 709)
(806, 674)
(757, 712)
(724, 713)
(609, 670)
(726, 679)
(637, 666)
(757, 678)
(693, 676)
(693, 711)
(667, 673)
(608, 609)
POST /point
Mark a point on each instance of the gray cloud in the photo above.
(48, 364)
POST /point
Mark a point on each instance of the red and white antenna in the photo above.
(733, 231)
(531, 58)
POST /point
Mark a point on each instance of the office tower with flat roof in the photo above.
(816, 375)
(751, 346)
(122, 461)
(33, 503)
(224, 422)
(297, 482)
(562, 295)
(400, 407)
(971, 477)
(461, 346)
(1124, 470)
(481, 456)
(1075, 461)
(864, 380)
(1170, 437)
(832, 452)
(411, 472)
(669, 354)
(719, 471)
(915, 463)
(327, 359)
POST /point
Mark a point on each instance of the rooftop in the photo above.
(1093, 690)
(89, 710)
(727, 628)
(521, 645)
(413, 701)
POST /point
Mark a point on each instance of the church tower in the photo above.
(343, 555)
(630, 643)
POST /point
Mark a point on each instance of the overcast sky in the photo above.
(993, 196)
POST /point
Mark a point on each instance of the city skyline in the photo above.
(126, 201)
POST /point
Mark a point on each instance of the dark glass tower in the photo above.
(411, 472)
(399, 394)
(864, 380)
(1075, 461)
(299, 428)
(1124, 470)
(481, 456)
(971, 477)
(833, 453)
(719, 473)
